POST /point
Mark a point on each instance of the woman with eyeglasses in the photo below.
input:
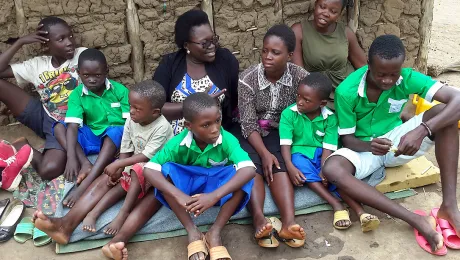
(199, 65)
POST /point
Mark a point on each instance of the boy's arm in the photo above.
(6, 56)
(72, 165)
(286, 132)
(347, 128)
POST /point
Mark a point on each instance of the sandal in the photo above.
(196, 247)
(369, 222)
(217, 252)
(292, 242)
(24, 230)
(451, 239)
(339, 216)
(268, 241)
(40, 238)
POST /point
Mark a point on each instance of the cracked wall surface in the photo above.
(241, 24)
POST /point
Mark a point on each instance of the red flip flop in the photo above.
(451, 239)
(422, 241)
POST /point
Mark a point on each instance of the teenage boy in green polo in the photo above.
(201, 167)
(368, 105)
(95, 118)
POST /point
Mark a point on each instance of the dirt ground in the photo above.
(393, 240)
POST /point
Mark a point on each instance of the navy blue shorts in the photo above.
(91, 143)
(193, 180)
(310, 168)
(37, 119)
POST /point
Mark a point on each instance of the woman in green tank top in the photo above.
(326, 45)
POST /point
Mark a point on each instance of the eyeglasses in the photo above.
(207, 43)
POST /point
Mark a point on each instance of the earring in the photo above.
(188, 51)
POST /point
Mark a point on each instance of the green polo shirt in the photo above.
(182, 149)
(99, 112)
(368, 120)
(305, 135)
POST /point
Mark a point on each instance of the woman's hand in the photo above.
(268, 160)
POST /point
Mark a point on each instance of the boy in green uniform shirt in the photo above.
(95, 118)
(368, 105)
(308, 136)
(201, 167)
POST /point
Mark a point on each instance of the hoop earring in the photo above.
(188, 51)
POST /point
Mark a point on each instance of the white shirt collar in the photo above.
(108, 85)
(362, 83)
(325, 112)
(285, 80)
(187, 141)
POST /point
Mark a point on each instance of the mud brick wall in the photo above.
(241, 24)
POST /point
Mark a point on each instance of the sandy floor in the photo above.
(394, 239)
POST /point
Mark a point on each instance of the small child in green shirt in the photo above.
(308, 136)
(95, 118)
(203, 166)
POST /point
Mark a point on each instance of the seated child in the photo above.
(53, 76)
(145, 133)
(201, 167)
(97, 111)
(308, 136)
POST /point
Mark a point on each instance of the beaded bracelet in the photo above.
(427, 128)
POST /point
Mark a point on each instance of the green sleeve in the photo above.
(286, 127)
(331, 137)
(75, 108)
(161, 157)
(124, 92)
(236, 154)
(345, 114)
(420, 84)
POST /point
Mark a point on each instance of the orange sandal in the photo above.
(196, 247)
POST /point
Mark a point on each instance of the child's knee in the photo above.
(51, 170)
(239, 194)
(336, 167)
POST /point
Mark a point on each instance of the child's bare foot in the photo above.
(84, 171)
(82, 175)
(195, 236)
(72, 198)
(89, 223)
(116, 224)
(452, 215)
(53, 227)
(294, 231)
(116, 251)
(264, 229)
(427, 227)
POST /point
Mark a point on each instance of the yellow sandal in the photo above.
(368, 224)
(196, 247)
(277, 225)
(341, 215)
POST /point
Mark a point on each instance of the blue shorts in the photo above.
(310, 167)
(193, 180)
(91, 143)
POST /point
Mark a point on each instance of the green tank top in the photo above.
(327, 54)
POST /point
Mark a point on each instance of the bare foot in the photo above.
(427, 227)
(293, 231)
(116, 224)
(89, 223)
(118, 251)
(263, 230)
(84, 171)
(72, 198)
(53, 227)
(452, 216)
(82, 175)
(194, 236)
(106, 251)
